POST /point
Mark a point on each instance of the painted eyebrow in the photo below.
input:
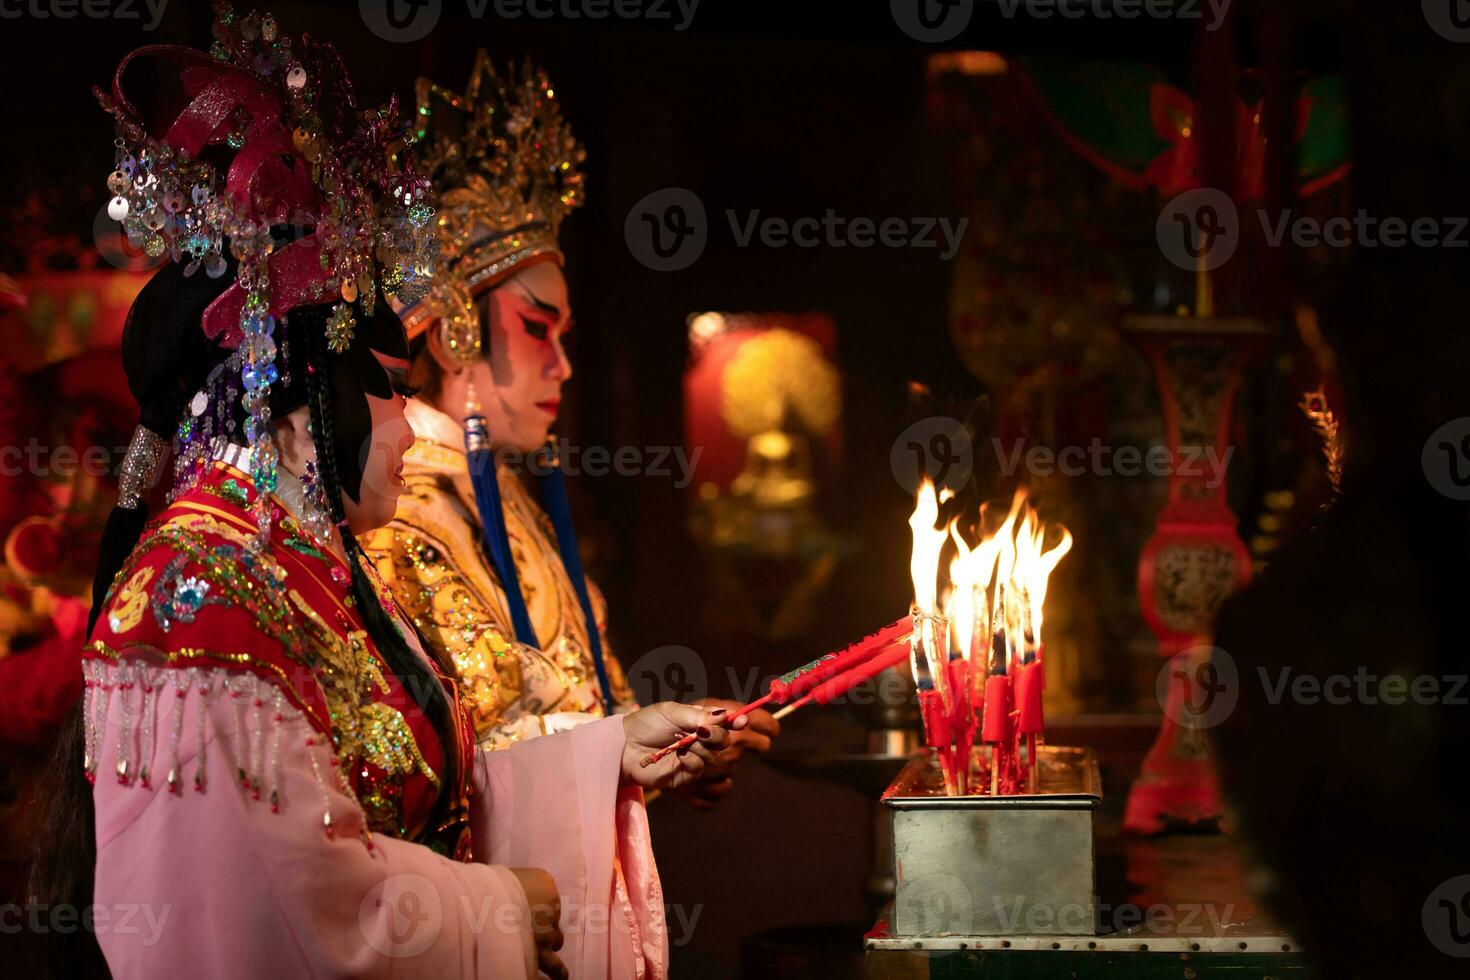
(551, 309)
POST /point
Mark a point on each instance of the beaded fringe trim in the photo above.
(145, 691)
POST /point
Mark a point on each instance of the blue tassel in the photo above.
(492, 518)
(554, 493)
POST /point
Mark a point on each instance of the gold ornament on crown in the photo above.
(506, 167)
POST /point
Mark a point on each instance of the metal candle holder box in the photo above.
(996, 866)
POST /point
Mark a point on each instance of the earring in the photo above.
(471, 401)
(317, 517)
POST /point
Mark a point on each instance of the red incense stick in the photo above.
(795, 683)
(835, 687)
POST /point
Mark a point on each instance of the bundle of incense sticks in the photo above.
(833, 688)
(796, 683)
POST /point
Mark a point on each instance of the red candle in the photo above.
(995, 724)
(1028, 699)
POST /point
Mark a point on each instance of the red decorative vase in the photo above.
(1195, 558)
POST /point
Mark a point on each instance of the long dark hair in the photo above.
(424, 686)
(166, 359)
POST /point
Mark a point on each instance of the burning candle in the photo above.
(977, 664)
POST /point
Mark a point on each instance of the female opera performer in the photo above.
(282, 777)
(493, 581)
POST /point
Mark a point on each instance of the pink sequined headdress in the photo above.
(271, 158)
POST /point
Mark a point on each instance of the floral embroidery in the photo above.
(366, 730)
(177, 598)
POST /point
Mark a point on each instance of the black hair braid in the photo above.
(421, 682)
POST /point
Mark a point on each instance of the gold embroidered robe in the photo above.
(433, 558)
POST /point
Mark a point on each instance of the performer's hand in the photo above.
(756, 737)
(649, 729)
(545, 902)
(717, 778)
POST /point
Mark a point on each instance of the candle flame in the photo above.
(928, 542)
(1036, 570)
(995, 586)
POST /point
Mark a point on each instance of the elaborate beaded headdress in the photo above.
(304, 157)
(505, 165)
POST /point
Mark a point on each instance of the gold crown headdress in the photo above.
(506, 167)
